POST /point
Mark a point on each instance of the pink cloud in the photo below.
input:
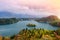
(31, 6)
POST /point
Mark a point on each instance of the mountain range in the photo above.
(6, 14)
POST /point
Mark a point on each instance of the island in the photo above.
(5, 21)
(31, 25)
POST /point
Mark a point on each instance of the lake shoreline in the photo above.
(9, 30)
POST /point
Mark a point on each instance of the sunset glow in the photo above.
(32, 7)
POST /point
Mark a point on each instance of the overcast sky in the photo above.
(32, 7)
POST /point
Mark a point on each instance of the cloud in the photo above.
(32, 7)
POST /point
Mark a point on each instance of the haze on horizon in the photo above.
(32, 7)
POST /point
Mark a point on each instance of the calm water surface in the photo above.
(12, 29)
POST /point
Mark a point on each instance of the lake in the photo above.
(13, 29)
